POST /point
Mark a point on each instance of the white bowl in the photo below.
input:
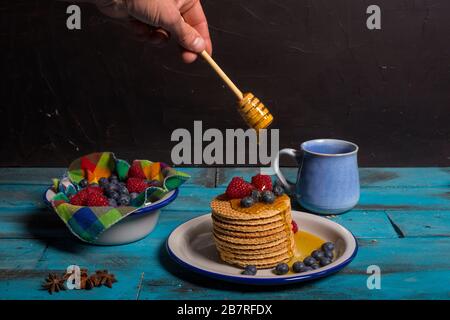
(134, 227)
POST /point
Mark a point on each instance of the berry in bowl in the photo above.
(107, 201)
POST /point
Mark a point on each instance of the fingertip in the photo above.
(198, 45)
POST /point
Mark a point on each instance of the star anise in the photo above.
(86, 281)
(54, 283)
(97, 280)
(105, 278)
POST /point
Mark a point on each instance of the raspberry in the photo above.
(77, 200)
(238, 188)
(93, 189)
(294, 226)
(82, 197)
(136, 185)
(262, 182)
(97, 200)
(135, 171)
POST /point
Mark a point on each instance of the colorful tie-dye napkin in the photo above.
(88, 223)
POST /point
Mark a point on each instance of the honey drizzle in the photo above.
(280, 204)
(305, 243)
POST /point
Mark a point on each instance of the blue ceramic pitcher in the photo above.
(327, 179)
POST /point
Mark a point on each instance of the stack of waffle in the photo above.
(260, 235)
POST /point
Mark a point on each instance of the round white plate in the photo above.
(192, 246)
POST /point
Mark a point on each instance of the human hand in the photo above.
(156, 20)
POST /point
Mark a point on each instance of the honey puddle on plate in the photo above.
(305, 243)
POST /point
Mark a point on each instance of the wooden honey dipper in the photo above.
(252, 110)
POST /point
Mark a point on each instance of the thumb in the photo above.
(187, 36)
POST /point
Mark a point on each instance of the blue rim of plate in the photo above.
(264, 281)
(144, 210)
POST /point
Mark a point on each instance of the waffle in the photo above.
(260, 235)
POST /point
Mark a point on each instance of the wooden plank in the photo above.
(29, 199)
(197, 198)
(366, 224)
(163, 279)
(20, 253)
(22, 196)
(418, 212)
(407, 273)
(44, 224)
(127, 262)
(26, 285)
(42, 176)
(422, 223)
(405, 177)
(39, 223)
(369, 177)
(31, 196)
(404, 199)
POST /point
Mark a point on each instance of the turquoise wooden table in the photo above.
(402, 224)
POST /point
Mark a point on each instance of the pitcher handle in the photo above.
(289, 186)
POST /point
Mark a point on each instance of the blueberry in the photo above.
(281, 268)
(123, 190)
(112, 202)
(112, 194)
(278, 190)
(298, 266)
(268, 196)
(103, 182)
(309, 261)
(83, 183)
(324, 261)
(124, 200)
(256, 195)
(307, 268)
(315, 266)
(328, 246)
(249, 270)
(329, 254)
(317, 254)
(133, 195)
(247, 202)
(112, 187)
(113, 178)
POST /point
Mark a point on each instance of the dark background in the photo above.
(314, 63)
